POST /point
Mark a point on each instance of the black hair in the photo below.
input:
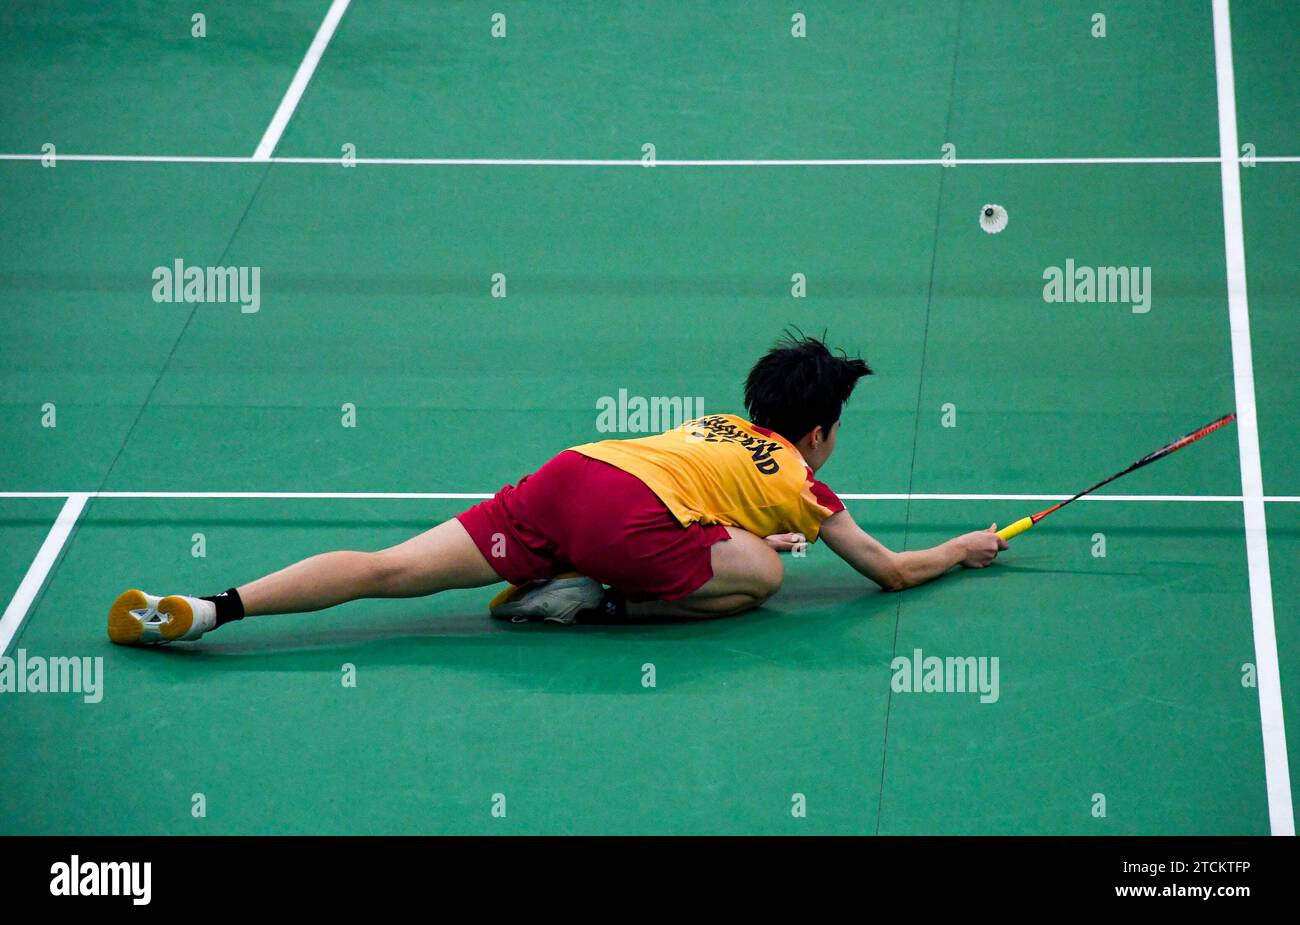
(800, 384)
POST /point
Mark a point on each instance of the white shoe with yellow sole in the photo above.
(140, 619)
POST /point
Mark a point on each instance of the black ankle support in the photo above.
(611, 609)
(614, 604)
(229, 606)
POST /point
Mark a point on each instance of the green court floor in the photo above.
(1120, 674)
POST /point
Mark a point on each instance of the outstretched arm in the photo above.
(895, 571)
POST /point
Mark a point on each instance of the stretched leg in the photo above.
(746, 572)
(436, 560)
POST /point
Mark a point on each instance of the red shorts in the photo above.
(584, 515)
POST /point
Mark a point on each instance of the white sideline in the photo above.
(32, 582)
(628, 163)
(271, 137)
(259, 158)
(1276, 773)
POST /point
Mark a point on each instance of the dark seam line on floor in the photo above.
(916, 426)
(85, 512)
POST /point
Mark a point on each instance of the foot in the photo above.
(556, 600)
(139, 619)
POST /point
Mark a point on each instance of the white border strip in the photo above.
(40, 568)
(1276, 773)
(479, 495)
(298, 86)
(588, 162)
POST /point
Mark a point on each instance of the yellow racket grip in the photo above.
(1017, 528)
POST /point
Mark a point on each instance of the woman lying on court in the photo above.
(685, 524)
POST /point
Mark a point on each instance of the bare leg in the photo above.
(746, 572)
(436, 560)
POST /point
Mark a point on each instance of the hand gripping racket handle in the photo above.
(1017, 528)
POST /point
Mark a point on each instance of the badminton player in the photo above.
(684, 524)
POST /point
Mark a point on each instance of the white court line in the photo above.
(298, 86)
(134, 158)
(479, 495)
(1276, 773)
(587, 162)
(40, 568)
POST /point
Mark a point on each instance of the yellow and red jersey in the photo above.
(721, 469)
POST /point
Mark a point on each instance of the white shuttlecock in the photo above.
(993, 218)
